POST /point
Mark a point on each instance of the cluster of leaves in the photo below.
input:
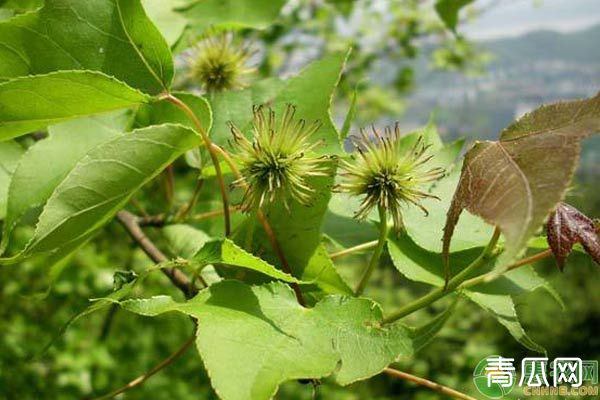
(89, 122)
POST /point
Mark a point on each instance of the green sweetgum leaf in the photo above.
(10, 153)
(33, 102)
(48, 161)
(253, 338)
(119, 40)
(310, 91)
(516, 182)
(102, 182)
(448, 11)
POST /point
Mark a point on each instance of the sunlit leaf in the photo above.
(33, 102)
(253, 338)
(48, 161)
(119, 40)
(102, 182)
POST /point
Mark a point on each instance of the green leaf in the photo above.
(298, 232)
(424, 334)
(163, 112)
(503, 309)
(21, 6)
(10, 153)
(448, 11)
(103, 181)
(426, 230)
(310, 91)
(184, 240)
(349, 116)
(33, 102)
(169, 22)
(515, 182)
(236, 107)
(228, 253)
(228, 14)
(420, 265)
(48, 161)
(254, 338)
(112, 36)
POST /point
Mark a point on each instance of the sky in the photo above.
(514, 17)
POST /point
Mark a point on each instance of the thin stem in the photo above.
(211, 151)
(169, 184)
(266, 226)
(178, 278)
(428, 384)
(383, 232)
(184, 212)
(459, 278)
(525, 261)
(279, 251)
(355, 249)
(210, 214)
(157, 368)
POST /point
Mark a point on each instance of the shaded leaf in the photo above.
(448, 11)
(33, 102)
(502, 308)
(48, 161)
(102, 182)
(424, 334)
(254, 338)
(184, 240)
(515, 183)
(10, 154)
(420, 265)
(567, 226)
(119, 41)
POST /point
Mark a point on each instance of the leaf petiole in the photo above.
(383, 233)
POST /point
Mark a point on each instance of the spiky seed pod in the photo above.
(217, 64)
(277, 162)
(387, 174)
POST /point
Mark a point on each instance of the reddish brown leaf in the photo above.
(516, 182)
(567, 226)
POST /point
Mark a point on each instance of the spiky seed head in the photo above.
(217, 64)
(387, 174)
(277, 162)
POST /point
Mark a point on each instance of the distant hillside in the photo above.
(527, 71)
(582, 46)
